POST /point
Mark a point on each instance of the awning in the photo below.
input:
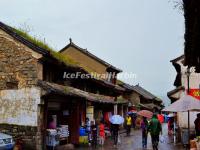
(52, 88)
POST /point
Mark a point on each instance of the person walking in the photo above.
(94, 134)
(197, 125)
(101, 133)
(88, 131)
(134, 120)
(170, 126)
(155, 129)
(115, 128)
(128, 125)
(144, 127)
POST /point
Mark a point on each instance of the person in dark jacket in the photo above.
(144, 127)
(197, 125)
(155, 129)
(94, 134)
(88, 130)
(115, 129)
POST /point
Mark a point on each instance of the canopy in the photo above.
(186, 103)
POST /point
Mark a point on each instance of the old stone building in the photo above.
(140, 98)
(91, 62)
(32, 89)
(98, 68)
(19, 97)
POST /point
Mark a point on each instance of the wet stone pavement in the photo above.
(134, 142)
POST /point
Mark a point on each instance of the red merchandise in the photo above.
(101, 130)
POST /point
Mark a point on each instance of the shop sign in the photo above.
(90, 112)
(195, 93)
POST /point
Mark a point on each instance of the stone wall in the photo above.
(26, 133)
(22, 115)
(20, 106)
(18, 67)
(133, 97)
(19, 98)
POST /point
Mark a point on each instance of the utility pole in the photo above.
(188, 92)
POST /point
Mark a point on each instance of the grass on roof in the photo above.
(120, 99)
(60, 57)
(119, 82)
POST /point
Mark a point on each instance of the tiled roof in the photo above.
(140, 90)
(85, 51)
(16, 36)
(46, 53)
(70, 91)
(9, 30)
(175, 90)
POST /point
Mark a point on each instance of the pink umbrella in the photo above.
(145, 113)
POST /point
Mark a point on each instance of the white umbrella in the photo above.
(171, 115)
(186, 103)
(116, 119)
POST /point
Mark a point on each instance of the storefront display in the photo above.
(63, 131)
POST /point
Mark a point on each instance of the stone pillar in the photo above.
(122, 111)
(115, 109)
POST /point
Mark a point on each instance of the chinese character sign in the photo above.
(195, 93)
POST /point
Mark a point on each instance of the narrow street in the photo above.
(134, 142)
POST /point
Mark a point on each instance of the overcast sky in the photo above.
(138, 36)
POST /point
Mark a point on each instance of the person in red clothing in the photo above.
(101, 133)
(160, 118)
(170, 126)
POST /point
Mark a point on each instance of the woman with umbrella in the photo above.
(116, 120)
(115, 128)
(144, 125)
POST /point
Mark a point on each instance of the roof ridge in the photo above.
(177, 58)
(10, 30)
(34, 46)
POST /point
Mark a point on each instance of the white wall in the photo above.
(19, 106)
(194, 84)
(183, 119)
(194, 78)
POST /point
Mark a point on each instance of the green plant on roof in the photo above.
(66, 89)
(65, 59)
(120, 99)
(119, 82)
